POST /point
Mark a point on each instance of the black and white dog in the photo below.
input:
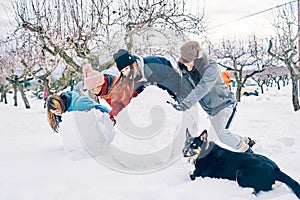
(249, 170)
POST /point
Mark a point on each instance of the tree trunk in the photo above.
(4, 97)
(3, 94)
(129, 40)
(238, 93)
(278, 85)
(15, 95)
(46, 85)
(295, 94)
(298, 36)
(23, 95)
(283, 82)
(262, 88)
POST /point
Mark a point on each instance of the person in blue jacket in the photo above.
(68, 101)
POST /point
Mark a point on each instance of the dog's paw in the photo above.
(192, 177)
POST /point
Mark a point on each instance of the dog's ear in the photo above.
(203, 136)
(188, 135)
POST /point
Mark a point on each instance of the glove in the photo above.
(178, 106)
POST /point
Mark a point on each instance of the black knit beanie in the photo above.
(123, 59)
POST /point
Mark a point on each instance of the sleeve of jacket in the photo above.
(165, 75)
(209, 79)
(172, 81)
(102, 108)
(85, 103)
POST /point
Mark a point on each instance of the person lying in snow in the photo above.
(68, 101)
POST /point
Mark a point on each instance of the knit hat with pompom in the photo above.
(92, 78)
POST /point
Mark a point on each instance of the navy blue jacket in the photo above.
(159, 70)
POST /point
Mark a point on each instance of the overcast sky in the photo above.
(220, 15)
(3, 15)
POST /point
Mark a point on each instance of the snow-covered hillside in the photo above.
(35, 165)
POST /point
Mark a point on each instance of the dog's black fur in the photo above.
(249, 170)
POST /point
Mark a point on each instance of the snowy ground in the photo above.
(34, 164)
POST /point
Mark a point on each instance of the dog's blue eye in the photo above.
(194, 145)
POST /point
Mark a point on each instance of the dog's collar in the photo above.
(203, 152)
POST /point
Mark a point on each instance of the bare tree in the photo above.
(284, 47)
(74, 29)
(8, 66)
(22, 63)
(3, 83)
(17, 74)
(69, 29)
(245, 58)
(78, 30)
(140, 15)
(276, 74)
(261, 81)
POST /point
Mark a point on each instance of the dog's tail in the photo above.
(294, 185)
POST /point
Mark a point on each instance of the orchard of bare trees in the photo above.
(51, 39)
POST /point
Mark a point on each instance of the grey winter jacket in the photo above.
(211, 91)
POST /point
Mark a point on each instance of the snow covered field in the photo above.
(34, 164)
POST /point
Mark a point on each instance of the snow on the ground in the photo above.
(34, 164)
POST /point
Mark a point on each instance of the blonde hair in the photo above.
(54, 102)
(190, 51)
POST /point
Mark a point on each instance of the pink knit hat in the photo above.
(92, 78)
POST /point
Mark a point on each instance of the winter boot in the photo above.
(249, 141)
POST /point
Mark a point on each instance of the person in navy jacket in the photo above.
(138, 72)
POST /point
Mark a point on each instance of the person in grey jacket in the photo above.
(209, 89)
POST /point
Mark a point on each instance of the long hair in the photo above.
(124, 87)
(54, 102)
